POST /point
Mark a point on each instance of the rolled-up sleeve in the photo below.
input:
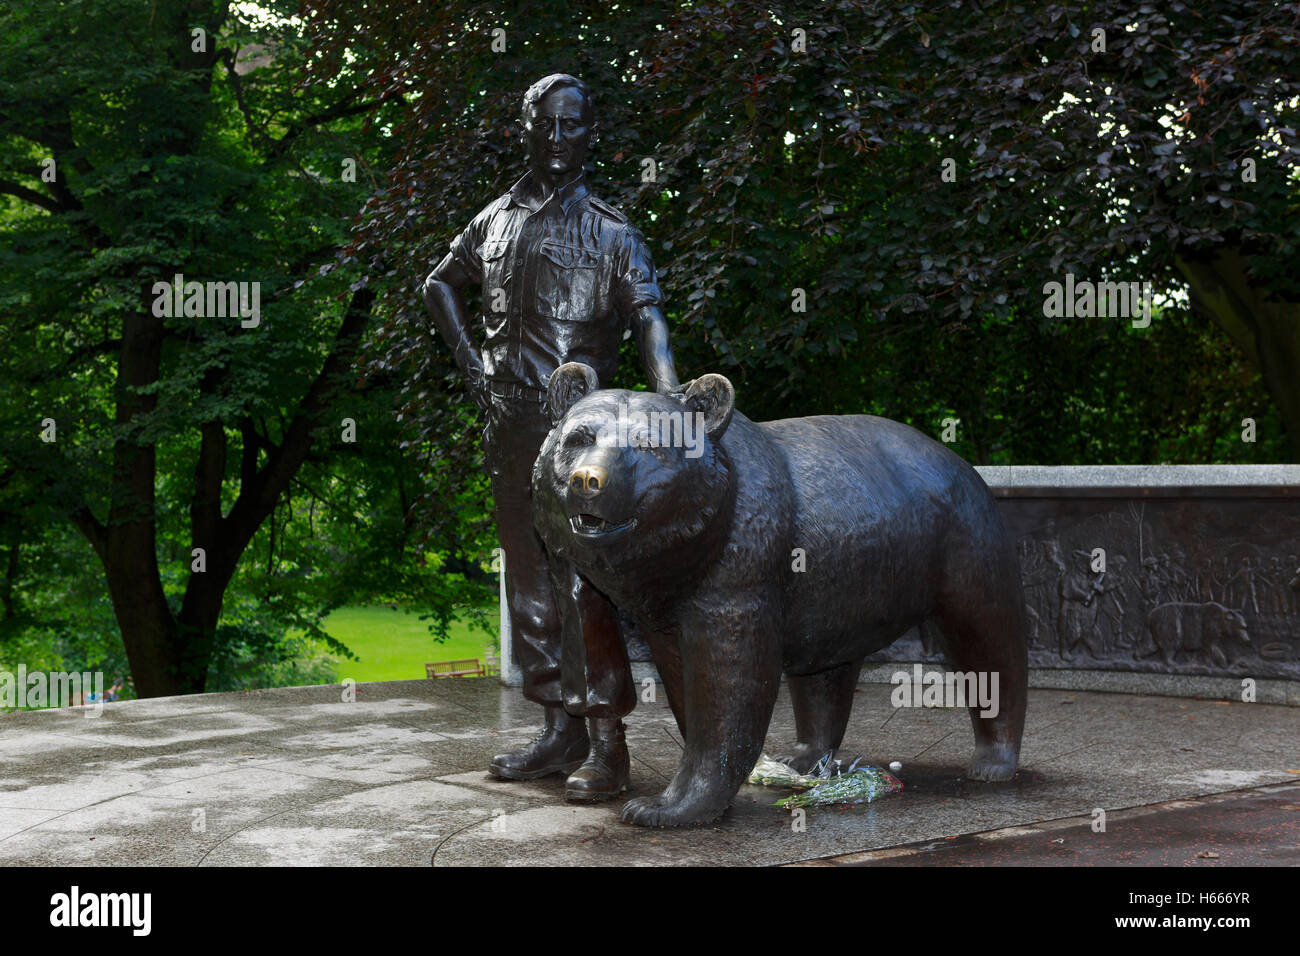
(636, 282)
(465, 247)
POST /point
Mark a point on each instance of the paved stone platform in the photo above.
(299, 776)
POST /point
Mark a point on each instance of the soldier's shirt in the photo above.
(562, 275)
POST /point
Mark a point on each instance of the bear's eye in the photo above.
(580, 437)
(639, 439)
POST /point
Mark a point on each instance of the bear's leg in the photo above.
(987, 638)
(822, 703)
(1175, 638)
(730, 677)
(668, 661)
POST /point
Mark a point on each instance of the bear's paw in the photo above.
(658, 812)
(993, 763)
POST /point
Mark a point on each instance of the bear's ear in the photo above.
(570, 382)
(713, 396)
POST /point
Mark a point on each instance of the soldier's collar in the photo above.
(527, 193)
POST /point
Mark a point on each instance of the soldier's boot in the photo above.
(561, 747)
(604, 775)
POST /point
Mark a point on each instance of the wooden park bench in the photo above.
(469, 668)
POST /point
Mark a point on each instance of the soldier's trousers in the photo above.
(565, 632)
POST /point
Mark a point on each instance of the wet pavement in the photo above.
(396, 777)
(1256, 827)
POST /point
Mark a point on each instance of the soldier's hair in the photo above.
(556, 81)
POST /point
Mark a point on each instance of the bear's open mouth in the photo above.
(590, 526)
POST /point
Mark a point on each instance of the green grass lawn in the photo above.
(395, 645)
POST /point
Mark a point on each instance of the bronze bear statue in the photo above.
(746, 550)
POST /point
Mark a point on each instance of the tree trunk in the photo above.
(7, 587)
(130, 554)
(1268, 332)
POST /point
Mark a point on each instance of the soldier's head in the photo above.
(559, 125)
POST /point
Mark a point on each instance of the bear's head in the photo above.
(633, 486)
(1232, 625)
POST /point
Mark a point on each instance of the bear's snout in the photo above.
(589, 480)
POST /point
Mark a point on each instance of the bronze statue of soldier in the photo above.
(563, 276)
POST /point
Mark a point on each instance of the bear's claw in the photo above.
(654, 812)
(804, 758)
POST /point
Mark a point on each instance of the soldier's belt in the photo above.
(517, 391)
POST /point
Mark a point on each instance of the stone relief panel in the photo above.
(1205, 586)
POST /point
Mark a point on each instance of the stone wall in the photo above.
(1172, 569)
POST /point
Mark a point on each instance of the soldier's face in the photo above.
(558, 134)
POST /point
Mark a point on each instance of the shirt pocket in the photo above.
(567, 281)
(495, 277)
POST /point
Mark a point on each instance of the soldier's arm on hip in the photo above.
(446, 306)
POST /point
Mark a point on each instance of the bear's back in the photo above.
(875, 504)
(862, 467)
